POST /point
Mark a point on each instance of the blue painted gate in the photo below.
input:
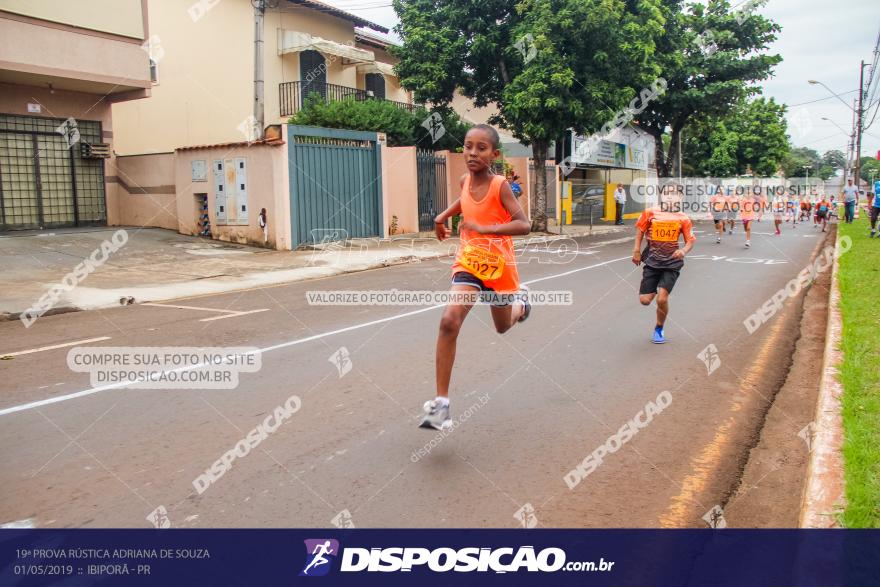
(335, 184)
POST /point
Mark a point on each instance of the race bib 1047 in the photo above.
(665, 231)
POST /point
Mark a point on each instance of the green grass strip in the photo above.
(859, 277)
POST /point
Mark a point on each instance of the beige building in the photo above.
(62, 65)
(205, 93)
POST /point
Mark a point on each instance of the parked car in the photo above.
(582, 197)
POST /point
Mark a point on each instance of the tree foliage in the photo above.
(547, 65)
(798, 158)
(750, 139)
(711, 57)
(402, 128)
(870, 169)
(834, 159)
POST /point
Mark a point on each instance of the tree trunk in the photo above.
(539, 202)
(660, 161)
(672, 164)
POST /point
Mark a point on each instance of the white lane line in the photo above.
(93, 390)
(189, 308)
(234, 315)
(574, 271)
(54, 346)
(20, 524)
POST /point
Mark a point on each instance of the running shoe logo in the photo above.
(320, 553)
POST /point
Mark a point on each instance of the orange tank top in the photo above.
(489, 257)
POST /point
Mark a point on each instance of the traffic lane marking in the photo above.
(235, 315)
(94, 390)
(55, 346)
(227, 313)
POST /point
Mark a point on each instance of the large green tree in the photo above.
(751, 138)
(834, 159)
(793, 165)
(711, 57)
(546, 65)
(870, 169)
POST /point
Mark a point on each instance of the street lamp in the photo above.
(813, 82)
(850, 137)
(835, 124)
(858, 112)
(807, 169)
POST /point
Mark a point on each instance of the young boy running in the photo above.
(780, 208)
(662, 227)
(732, 209)
(718, 205)
(485, 260)
(823, 210)
(752, 207)
(806, 207)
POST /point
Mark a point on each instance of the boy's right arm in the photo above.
(440, 228)
(641, 228)
(637, 248)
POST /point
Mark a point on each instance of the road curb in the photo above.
(401, 258)
(823, 495)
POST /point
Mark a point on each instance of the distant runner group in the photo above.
(752, 206)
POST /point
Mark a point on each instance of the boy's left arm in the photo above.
(689, 239)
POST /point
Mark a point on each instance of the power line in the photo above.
(821, 99)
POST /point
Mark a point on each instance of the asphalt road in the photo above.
(531, 404)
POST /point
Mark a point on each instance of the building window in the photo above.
(154, 71)
(375, 83)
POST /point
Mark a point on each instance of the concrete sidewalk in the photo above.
(157, 265)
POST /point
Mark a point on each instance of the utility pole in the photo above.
(859, 126)
(259, 101)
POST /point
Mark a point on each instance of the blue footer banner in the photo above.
(440, 557)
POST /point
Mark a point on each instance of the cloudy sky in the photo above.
(823, 40)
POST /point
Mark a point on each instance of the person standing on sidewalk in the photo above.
(620, 202)
(850, 199)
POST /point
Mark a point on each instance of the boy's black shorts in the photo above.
(653, 278)
(487, 294)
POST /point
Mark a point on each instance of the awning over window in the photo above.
(296, 41)
(377, 67)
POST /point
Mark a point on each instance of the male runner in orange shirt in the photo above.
(662, 227)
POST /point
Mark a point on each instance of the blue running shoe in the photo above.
(658, 337)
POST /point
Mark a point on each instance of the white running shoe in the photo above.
(717, 240)
(527, 305)
(748, 244)
(436, 415)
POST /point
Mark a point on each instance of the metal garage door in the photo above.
(44, 180)
(335, 183)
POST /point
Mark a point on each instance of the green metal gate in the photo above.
(431, 179)
(335, 184)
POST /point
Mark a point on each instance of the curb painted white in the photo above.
(823, 496)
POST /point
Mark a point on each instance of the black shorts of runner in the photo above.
(875, 212)
(653, 278)
(487, 294)
(718, 220)
(822, 215)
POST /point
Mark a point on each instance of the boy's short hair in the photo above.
(496, 139)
